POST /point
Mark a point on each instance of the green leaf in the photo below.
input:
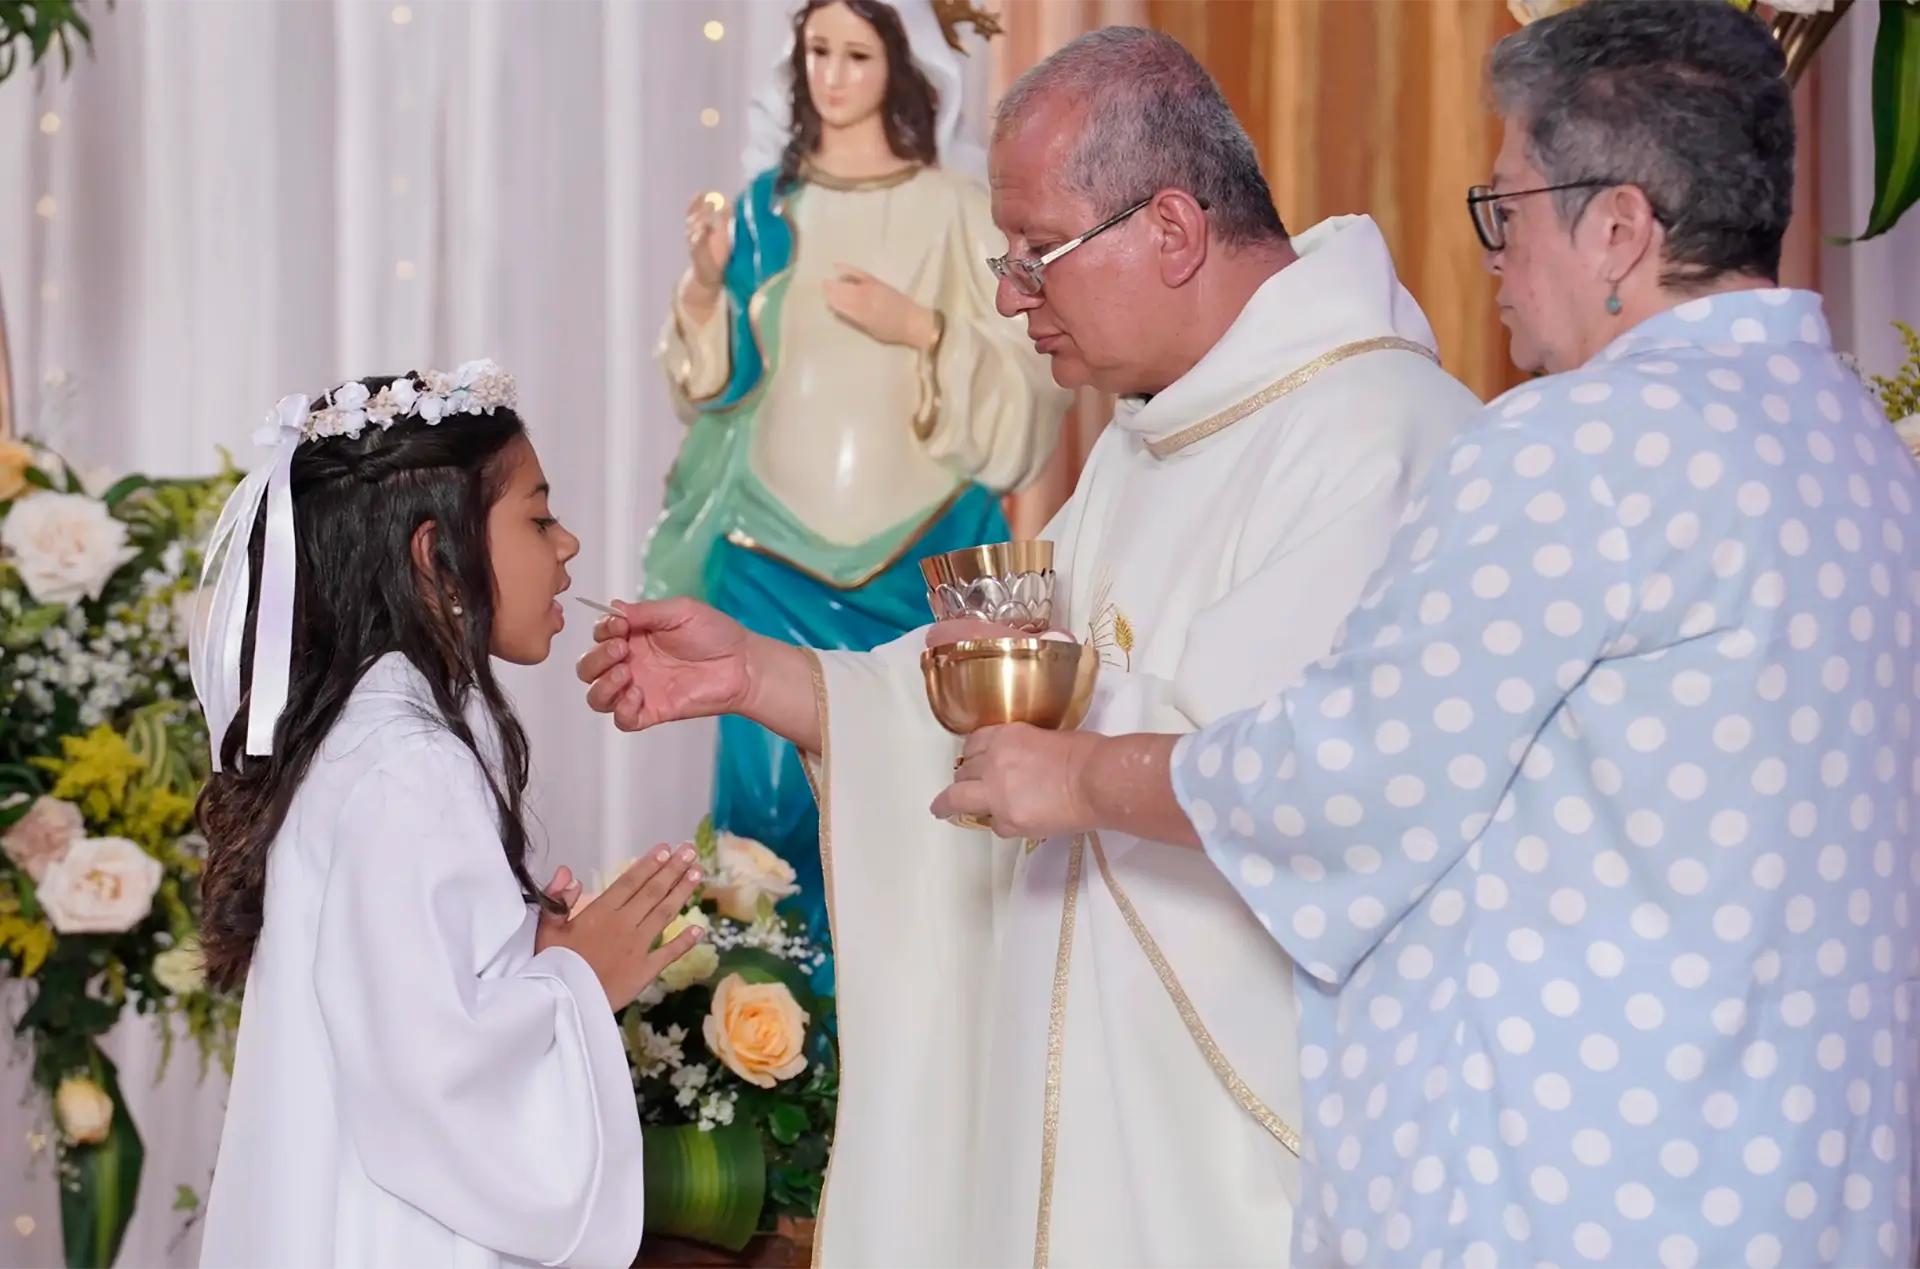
(185, 1200)
(94, 1213)
(703, 839)
(707, 1186)
(30, 625)
(122, 487)
(786, 1122)
(1896, 115)
(34, 476)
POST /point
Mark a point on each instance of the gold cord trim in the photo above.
(1237, 1088)
(1056, 1048)
(813, 174)
(821, 789)
(1169, 445)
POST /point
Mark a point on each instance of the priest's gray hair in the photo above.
(1683, 99)
(1151, 119)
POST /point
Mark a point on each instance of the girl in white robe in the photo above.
(429, 1072)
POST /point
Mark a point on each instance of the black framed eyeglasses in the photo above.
(1025, 274)
(1483, 204)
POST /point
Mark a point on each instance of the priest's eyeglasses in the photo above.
(1026, 274)
(1490, 222)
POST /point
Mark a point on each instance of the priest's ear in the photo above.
(1180, 220)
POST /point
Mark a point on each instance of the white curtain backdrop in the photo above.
(235, 199)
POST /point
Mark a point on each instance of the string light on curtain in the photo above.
(50, 123)
(715, 31)
(710, 117)
(46, 207)
(402, 15)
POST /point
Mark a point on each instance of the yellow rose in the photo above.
(84, 1110)
(757, 1029)
(701, 959)
(15, 458)
(181, 970)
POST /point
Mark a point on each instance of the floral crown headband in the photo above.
(220, 607)
(478, 387)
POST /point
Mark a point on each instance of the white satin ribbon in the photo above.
(220, 603)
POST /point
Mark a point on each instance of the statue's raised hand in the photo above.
(709, 240)
(665, 661)
(880, 310)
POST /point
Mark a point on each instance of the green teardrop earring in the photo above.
(1613, 303)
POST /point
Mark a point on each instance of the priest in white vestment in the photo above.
(1057, 1054)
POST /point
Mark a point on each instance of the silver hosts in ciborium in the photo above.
(1008, 583)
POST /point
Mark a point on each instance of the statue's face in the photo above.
(846, 66)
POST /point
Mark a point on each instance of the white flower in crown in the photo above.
(478, 387)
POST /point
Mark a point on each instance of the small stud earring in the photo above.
(457, 609)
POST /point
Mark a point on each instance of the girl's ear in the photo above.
(425, 538)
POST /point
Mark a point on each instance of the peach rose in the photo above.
(744, 870)
(43, 836)
(104, 885)
(757, 1029)
(15, 458)
(84, 1110)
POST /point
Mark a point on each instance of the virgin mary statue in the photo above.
(854, 401)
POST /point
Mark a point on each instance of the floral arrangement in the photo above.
(733, 1058)
(102, 754)
(1899, 393)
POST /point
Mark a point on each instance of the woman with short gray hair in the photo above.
(1593, 840)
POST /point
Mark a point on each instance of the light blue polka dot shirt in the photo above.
(1593, 839)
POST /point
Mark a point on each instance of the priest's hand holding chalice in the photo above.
(993, 661)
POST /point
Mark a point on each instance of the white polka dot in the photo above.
(1591, 1147)
(1639, 1107)
(1649, 921)
(1343, 810)
(1720, 1110)
(1309, 922)
(1256, 870)
(1490, 582)
(1645, 828)
(1677, 1251)
(1610, 869)
(1679, 1159)
(1732, 922)
(1288, 821)
(1599, 1053)
(1592, 1241)
(1718, 415)
(1593, 438)
(1428, 1175)
(1561, 998)
(1691, 970)
(1729, 558)
(1474, 495)
(1770, 450)
(1463, 458)
(1553, 560)
(1763, 1252)
(1760, 1060)
(1467, 771)
(1762, 1155)
(1688, 782)
(1553, 1091)
(1534, 460)
(1659, 396)
(1563, 618)
(1513, 1127)
(1440, 659)
(1334, 755)
(1210, 759)
(1721, 1206)
(1392, 737)
(1646, 734)
(1687, 876)
(1567, 905)
(1704, 469)
(1645, 1011)
(1549, 1185)
(1634, 1201)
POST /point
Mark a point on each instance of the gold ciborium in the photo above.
(1008, 583)
(986, 682)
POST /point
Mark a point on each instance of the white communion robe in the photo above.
(1015, 1091)
(414, 1087)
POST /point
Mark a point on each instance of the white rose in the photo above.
(744, 870)
(181, 970)
(66, 546)
(1801, 6)
(104, 885)
(84, 1110)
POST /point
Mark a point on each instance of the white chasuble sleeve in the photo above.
(989, 408)
(910, 900)
(486, 1089)
(1352, 812)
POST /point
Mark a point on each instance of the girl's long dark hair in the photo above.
(358, 595)
(910, 110)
